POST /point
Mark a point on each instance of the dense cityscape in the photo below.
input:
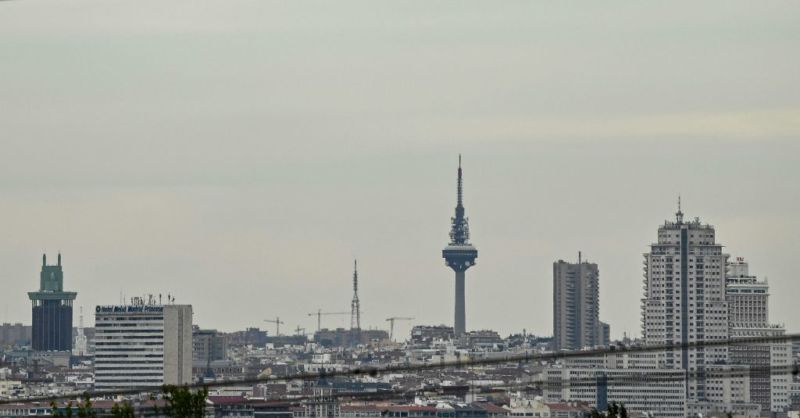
(696, 299)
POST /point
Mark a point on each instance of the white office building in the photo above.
(144, 344)
(639, 379)
(660, 392)
(748, 306)
(727, 389)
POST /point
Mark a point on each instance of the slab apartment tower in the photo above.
(52, 310)
(576, 306)
(459, 254)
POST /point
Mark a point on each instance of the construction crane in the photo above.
(319, 314)
(300, 331)
(277, 321)
(391, 324)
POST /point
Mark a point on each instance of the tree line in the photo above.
(179, 402)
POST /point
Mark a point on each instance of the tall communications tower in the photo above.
(355, 307)
(459, 254)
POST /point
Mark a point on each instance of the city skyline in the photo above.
(266, 204)
(371, 323)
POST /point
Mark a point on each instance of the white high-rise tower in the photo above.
(80, 347)
(684, 298)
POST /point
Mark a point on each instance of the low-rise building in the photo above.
(658, 391)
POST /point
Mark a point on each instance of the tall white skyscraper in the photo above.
(145, 344)
(684, 298)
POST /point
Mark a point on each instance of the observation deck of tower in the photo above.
(459, 254)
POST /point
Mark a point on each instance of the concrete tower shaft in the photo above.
(459, 254)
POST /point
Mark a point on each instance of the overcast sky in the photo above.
(240, 154)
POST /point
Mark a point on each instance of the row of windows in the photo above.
(132, 350)
(106, 317)
(128, 337)
(130, 361)
(105, 343)
(132, 376)
(140, 380)
(126, 369)
(102, 356)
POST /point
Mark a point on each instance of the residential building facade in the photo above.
(769, 362)
(684, 299)
(576, 306)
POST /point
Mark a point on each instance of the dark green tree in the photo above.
(181, 402)
(613, 410)
(85, 408)
(123, 410)
(57, 413)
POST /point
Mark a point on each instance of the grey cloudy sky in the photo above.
(239, 154)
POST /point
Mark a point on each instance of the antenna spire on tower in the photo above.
(355, 276)
(459, 231)
(460, 187)
(679, 213)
